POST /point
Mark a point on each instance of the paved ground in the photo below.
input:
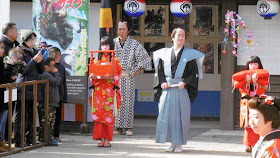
(206, 140)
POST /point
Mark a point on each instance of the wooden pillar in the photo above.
(228, 64)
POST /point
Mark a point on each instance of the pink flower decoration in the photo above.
(225, 30)
(112, 106)
(94, 117)
(108, 119)
(108, 90)
(234, 52)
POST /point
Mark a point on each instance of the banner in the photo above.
(64, 24)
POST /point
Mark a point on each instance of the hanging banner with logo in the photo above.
(64, 24)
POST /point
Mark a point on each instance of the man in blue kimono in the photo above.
(176, 85)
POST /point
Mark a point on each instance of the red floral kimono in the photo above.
(250, 138)
(103, 102)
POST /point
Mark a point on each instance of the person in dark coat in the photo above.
(62, 90)
(9, 37)
(35, 67)
(6, 76)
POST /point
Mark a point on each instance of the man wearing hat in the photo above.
(35, 67)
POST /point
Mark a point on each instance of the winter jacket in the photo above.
(54, 81)
(62, 86)
(33, 72)
(8, 44)
(5, 77)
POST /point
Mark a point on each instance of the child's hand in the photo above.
(14, 77)
(254, 78)
(106, 77)
(92, 76)
(54, 70)
(11, 61)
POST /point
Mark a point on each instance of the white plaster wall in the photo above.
(21, 14)
(4, 12)
(94, 26)
(266, 33)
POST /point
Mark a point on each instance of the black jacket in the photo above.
(8, 44)
(62, 86)
(33, 72)
(5, 77)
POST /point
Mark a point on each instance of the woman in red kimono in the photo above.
(251, 82)
(106, 96)
(265, 120)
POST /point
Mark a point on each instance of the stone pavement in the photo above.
(206, 140)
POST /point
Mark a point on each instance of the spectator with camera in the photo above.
(35, 67)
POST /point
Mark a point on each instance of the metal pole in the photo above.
(84, 126)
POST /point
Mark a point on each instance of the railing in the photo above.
(46, 139)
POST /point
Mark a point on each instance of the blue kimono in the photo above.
(174, 103)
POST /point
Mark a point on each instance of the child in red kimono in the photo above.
(265, 120)
(251, 82)
(106, 96)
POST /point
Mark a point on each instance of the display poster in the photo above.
(64, 24)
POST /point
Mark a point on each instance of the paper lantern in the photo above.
(268, 8)
(134, 8)
(181, 8)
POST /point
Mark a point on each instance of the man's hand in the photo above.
(165, 85)
(138, 72)
(182, 85)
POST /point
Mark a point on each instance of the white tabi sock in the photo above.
(171, 148)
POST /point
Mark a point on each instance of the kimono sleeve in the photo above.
(159, 79)
(190, 77)
(142, 59)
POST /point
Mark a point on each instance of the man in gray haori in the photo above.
(176, 85)
(133, 59)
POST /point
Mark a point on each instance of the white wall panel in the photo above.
(4, 12)
(266, 33)
(21, 14)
